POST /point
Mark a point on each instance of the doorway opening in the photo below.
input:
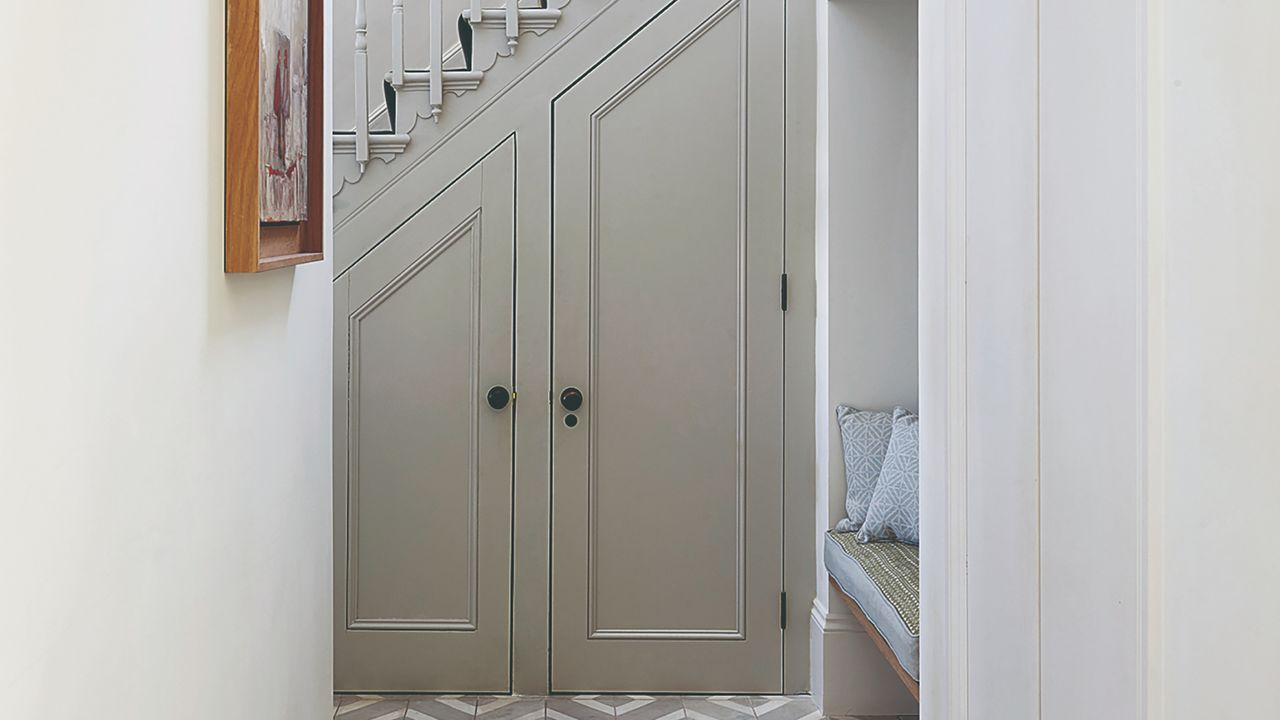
(865, 634)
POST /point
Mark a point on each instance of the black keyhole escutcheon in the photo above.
(498, 397)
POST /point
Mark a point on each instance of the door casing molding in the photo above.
(944, 337)
(943, 412)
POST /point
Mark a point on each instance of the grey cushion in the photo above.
(894, 514)
(884, 580)
(864, 436)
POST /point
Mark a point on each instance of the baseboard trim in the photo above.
(848, 675)
(827, 621)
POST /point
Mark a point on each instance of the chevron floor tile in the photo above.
(441, 707)
(645, 707)
(511, 707)
(580, 707)
(784, 708)
(719, 707)
(371, 707)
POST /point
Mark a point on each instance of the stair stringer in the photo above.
(515, 97)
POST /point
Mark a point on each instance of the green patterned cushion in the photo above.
(895, 570)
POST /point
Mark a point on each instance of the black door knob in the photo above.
(498, 397)
(571, 399)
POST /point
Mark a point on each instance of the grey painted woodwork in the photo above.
(667, 496)
(691, 191)
(424, 469)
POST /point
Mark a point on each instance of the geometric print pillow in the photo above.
(865, 439)
(894, 514)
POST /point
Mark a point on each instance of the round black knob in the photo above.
(571, 399)
(571, 420)
(498, 397)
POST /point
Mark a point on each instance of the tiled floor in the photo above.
(580, 707)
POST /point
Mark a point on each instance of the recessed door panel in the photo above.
(424, 482)
(668, 253)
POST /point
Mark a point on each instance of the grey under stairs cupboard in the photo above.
(664, 166)
(425, 519)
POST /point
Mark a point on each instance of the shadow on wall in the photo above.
(236, 304)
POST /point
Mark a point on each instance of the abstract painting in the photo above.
(274, 188)
(283, 103)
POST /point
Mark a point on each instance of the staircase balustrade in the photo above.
(493, 30)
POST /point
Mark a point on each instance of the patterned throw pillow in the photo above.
(894, 514)
(865, 438)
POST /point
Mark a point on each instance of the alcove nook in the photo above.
(867, 311)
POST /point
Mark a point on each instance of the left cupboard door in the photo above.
(423, 461)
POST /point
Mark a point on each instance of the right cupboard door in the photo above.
(667, 359)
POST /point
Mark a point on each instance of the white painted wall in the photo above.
(1101, 201)
(165, 530)
(866, 289)
(1033, 252)
(1218, 219)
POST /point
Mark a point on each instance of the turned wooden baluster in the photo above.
(362, 85)
(513, 23)
(397, 43)
(437, 60)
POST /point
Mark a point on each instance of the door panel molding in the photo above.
(738, 630)
(470, 229)
(667, 512)
(424, 469)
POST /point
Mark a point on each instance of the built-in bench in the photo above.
(880, 582)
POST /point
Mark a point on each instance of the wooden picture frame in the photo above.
(254, 243)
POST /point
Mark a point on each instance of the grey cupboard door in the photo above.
(423, 468)
(668, 251)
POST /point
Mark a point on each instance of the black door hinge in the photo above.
(783, 608)
(784, 292)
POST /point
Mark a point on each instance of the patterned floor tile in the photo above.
(785, 708)
(372, 707)
(579, 707)
(644, 707)
(718, 707)
(441, 707)
(510, 707)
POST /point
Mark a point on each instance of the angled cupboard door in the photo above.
(423, 467)
(667, 359)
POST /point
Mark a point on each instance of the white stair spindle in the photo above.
(513, 23)
(362, 85)
(477, 12)
(437, 60)
(397, 43)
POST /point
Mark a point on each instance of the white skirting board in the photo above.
(848, 675)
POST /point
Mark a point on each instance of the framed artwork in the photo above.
(274, 134)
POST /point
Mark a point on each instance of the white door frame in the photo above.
(943, 479)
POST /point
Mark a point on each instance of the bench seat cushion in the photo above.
(884, 579)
